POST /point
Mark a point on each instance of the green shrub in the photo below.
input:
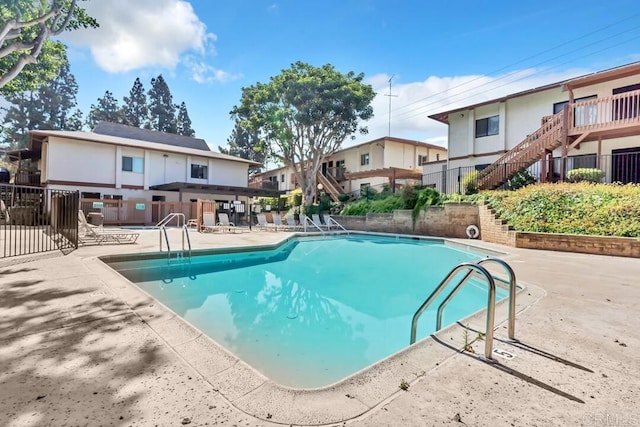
(382, 205)
(426, 197)
(343, 198)
(571, 208)
(520, 179)
(469, 183)
(409, 194)
(585, 174)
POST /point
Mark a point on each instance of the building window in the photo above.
(112, 197)
(582, 114)
(423, 160)
(282, 178)
(364, 159)
(339, 163)
(132, 164)
(89, 195)
(488, 126)
(437, 157)
(199, 171)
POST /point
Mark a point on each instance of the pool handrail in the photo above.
(330, 222)
(512, 292)
(184, 233)
(491, 301)
(306, 220)
(167, 219)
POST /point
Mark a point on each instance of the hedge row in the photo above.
(580, 208)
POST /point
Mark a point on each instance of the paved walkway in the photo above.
(73, 352)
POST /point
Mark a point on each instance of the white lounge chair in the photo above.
(277, 222)
(291, 223)
(263, 224)
(315, 218)
(92, 234)
(224, 224)
(208, 222)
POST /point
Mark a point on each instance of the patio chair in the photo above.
(291, 223)
(263, 224)
(93, 234)
(315, 218)
(224, 224)
(208, 222)
(277, 222)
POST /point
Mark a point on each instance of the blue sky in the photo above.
(442, 55)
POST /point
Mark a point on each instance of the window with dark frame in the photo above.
(423, 160)
(132, 164)
(364, 159)
(487, 126)
(199, 171)
(282, 178)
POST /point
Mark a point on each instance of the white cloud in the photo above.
(415, 101)
(143, 33)
(202, 72)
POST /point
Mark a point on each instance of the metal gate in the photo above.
(36, 219)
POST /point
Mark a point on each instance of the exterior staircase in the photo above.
(547, 138)
(330, 185)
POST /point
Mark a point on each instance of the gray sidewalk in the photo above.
(73, 352)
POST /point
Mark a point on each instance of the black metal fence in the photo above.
(621, 167)
(35, 220)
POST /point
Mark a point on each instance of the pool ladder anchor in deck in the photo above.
(473, 269)
(180, 255)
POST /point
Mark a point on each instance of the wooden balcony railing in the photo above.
(264, 184)
(602, 114)
(27, 177)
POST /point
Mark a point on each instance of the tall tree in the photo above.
(50, 107)
(162, 110)
(18, 118)
(107, 110)
(58, 98)
(245, 143)
(183, 122)
(136, 111)
(304, 114)
(25, 29)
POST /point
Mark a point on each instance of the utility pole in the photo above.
(390, 95)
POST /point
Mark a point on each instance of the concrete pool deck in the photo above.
(82, 346)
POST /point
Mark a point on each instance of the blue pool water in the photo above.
(312, 311)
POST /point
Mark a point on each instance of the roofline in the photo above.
(105, 139)
(381, 139)
(568, 84)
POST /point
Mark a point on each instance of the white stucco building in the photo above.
(590, 121)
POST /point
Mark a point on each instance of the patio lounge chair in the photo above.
(291, 223)
(224, 224)
(263, 224)
(315, 218)
(92, 234)
(277, 222)
(208, 222)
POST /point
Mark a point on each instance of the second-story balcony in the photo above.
(27, 177)
(264, 184)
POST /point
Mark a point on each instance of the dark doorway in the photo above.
(625, 165)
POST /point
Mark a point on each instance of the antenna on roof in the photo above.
(390, 95)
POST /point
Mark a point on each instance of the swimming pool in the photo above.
(313, 310)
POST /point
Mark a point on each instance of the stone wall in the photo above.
(450, 220)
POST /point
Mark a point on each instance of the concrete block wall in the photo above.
(450, 220)
(598, 245)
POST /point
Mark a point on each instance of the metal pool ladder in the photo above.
(478, 270)
(180, 255)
